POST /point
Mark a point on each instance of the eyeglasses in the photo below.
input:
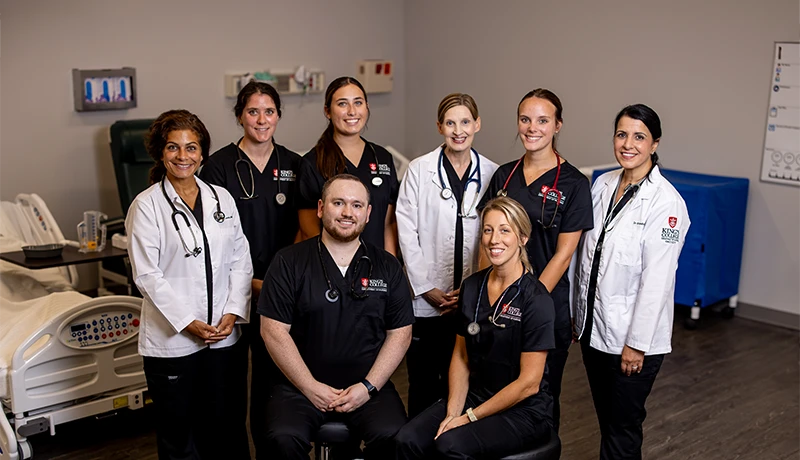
(554, 195)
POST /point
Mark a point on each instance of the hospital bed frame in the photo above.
(53, 381)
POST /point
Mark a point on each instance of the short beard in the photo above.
(334, 233)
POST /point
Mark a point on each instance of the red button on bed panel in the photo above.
(117, 332)
(124, 331)
(103, 336)
(135, 322)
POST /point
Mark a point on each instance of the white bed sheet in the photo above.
(18, 320)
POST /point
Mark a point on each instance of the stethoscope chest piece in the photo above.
(280, 198)
(332, 295)
(377, 181)
(219, 216)
(447, 193)
(473, 328)
(502, 192)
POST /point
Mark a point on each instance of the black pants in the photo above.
(619, 401)
(263, 374)
(556, 362)
(507, 433)
(428, 361)
(292, 422)
(200, 403)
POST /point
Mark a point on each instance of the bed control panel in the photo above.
(98, 328)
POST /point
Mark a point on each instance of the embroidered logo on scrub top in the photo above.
(380, 169)
(673, 221)
(511, 313)
(287, 175)
(552, 195)
(670, 235)
(376, 285)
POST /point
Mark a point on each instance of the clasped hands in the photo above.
(441, 300)
(211, 334)
(329, 399)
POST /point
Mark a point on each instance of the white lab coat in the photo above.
(634, 302)
(426, 225)
(173, 285)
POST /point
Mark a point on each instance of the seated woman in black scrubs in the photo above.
(556, 196)
(341, 149)
(498, 403)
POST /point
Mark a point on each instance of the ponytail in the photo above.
(330, 158)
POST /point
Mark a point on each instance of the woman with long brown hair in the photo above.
(341, 149)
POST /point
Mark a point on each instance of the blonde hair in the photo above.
(454, 100)
(518, 220)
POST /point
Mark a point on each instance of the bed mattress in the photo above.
(19, 320)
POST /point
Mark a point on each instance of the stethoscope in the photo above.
(332, 294)
(546, 190)
(447, 193)
(376, 181)
(504, 192)
(280, 197)
(219, 216)
(474, 328)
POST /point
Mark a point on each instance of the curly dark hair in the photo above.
(156, 139)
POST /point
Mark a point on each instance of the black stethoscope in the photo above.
(219, 216)
(447, 193)
(546, 190)
(280, 197)
(474, 328)
(332, 294)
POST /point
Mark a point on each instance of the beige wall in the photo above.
(703, 65)
(181, 50)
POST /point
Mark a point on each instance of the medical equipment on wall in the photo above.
(54, 367)
(301, 80)
(548, 193)
(474, 328)
(375, 75)
(91, 233)
(280, 197)
(219, 216)
(447, 193)
(332, 294)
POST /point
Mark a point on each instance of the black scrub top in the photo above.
(574, 214)
(494, 353)
(267, 225)
(311, 182)
(338, 341)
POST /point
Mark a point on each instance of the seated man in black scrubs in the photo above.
(336, 318)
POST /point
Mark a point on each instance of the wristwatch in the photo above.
(471, 415)
(370, 388)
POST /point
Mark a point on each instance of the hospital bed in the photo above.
(63, 355)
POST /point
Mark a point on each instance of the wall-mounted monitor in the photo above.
(106, 89)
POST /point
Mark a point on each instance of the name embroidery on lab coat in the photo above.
(376, 285)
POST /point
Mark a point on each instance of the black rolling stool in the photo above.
(548, 451)
(331, 433)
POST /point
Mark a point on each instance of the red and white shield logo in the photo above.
(505, 308)
(545, 189)
(673, 221)
(373, 166)
(365, 282)
(275, 172)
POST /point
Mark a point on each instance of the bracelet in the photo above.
(471, 415)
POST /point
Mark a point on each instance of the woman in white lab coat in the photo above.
(438, 228)
(625, 281)
(191, 263)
